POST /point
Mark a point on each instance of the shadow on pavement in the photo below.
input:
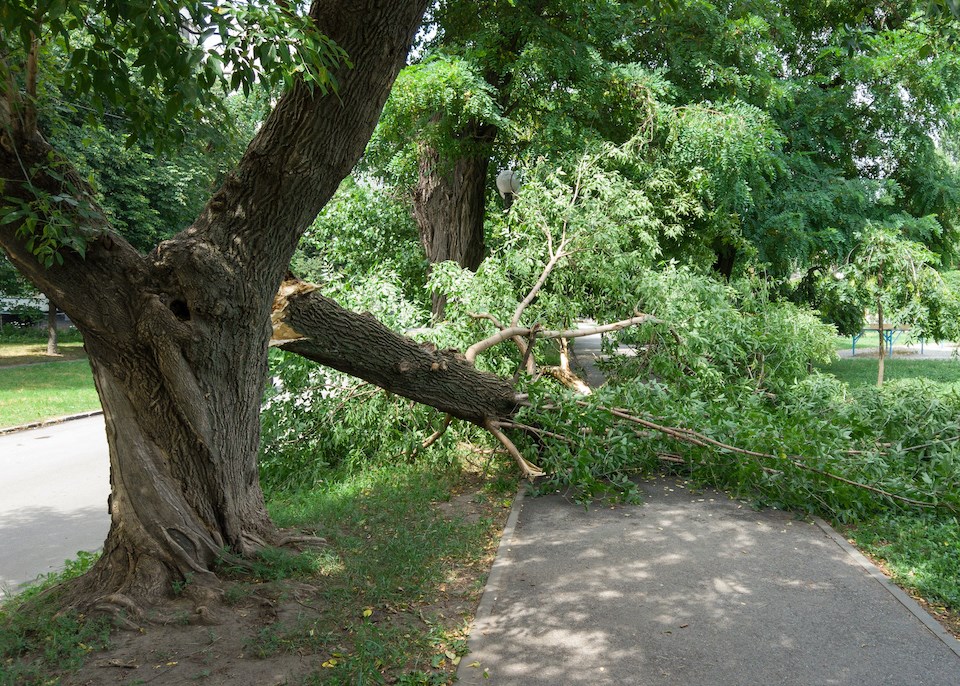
(690, 589)
(32, 540)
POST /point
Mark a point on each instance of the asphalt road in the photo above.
(54, 483)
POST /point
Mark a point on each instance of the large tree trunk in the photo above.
(448, 206)
(178, 339)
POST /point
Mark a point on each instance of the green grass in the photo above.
(45, 391)
(16, 353)
(920, 551)
(38, 644)
(393, 552)
(863, 371)
(20, 345)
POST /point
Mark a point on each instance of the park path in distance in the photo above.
(54, 483)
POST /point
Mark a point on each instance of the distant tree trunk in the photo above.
(725, 260)
(53, 349)
(448, 206)
(880, 333)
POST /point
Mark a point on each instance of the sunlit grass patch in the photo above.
(45, 391)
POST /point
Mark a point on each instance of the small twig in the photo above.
(355, 393)
(513, 424)
(951, 439)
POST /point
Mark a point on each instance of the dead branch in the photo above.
(511, 331)
(530, 471)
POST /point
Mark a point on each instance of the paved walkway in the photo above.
(53, 497)
(693, 589)
(931, 350)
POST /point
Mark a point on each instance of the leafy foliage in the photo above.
(439, 84)
(363, 231)
(159, 62)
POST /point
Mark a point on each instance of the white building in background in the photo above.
(18, 311)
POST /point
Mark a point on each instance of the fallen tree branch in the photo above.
(524, 346)
(309, 324)
(430, 440)
(555, 257)
(530, 471)
(698, 439)
(511, 331)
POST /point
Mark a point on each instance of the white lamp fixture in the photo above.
(508, 182)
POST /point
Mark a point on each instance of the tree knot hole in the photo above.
(180, 310)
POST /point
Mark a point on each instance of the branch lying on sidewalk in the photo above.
(313, 326)
(701, 440)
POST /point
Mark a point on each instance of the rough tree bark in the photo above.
(317, 328)
(177, 339)
(448, 205)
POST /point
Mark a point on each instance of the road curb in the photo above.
(49, 422)
(491, 590)
(898, 593)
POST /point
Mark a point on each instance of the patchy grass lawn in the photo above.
(45, 391)
(29, 346)
(863, 371)
(388, 600)
(922, 554)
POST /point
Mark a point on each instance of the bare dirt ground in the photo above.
(238, 643)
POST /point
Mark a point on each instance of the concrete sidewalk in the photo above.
(693, 589)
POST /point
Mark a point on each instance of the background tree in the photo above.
(898, 280)
(499, 81)
(792, 123)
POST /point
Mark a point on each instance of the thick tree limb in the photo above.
(317, 328)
